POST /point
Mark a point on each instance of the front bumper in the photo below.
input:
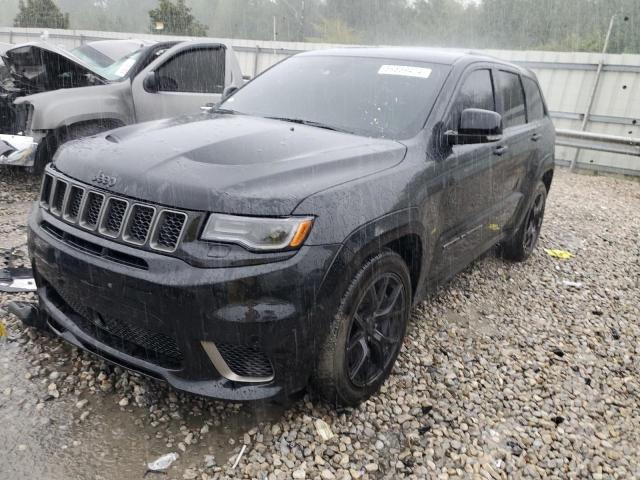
(182, 315)
(17, 150)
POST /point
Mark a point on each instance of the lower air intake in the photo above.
(245, 361)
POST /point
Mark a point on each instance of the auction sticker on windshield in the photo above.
(405, 71)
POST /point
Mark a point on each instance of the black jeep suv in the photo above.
(280, 239)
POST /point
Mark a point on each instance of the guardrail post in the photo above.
(255, 60)
(594, 90)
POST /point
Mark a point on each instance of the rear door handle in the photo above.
(535, 137)
(500, 150)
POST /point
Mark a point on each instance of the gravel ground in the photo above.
(511, 370)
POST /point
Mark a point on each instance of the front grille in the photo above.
(92, 210)
(45, 193)
(139, 224)
(245, 361)
(59, 191)
(76, 194)
(120, 334)
(169, 230)
(112, 216)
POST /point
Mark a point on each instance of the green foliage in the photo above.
(334, 31)
(40, 14)
(175, 19)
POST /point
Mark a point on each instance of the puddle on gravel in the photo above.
(112, 443)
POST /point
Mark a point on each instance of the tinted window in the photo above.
(510, 90)
(476, 92)
(374, 97)
(197, 71)
(535, 107)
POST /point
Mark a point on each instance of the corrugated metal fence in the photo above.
(566, 78)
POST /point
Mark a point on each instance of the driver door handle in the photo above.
(500, 150)
(535, 137)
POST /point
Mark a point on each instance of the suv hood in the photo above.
(40, 67)
(225, 163)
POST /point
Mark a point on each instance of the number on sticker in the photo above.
(405, 71)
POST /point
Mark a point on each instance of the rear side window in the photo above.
(510, 91)
(194, 71)
(476, 92)
(535, 107)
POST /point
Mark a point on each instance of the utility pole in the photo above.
(302, 22)
(299, 16)
(596, 83)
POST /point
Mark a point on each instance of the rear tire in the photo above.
(521, 244)
(366, 333)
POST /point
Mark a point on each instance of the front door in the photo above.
(186, 77)
(468, 206)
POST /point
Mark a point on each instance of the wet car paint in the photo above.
(364, 193)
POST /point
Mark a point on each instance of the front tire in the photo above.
(521, 245)
(367, 332)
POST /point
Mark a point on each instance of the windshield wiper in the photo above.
(310, 123)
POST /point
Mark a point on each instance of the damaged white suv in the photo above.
(50, 95)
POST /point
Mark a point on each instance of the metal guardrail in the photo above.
(598, 141)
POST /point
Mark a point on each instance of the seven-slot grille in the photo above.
(113, 216)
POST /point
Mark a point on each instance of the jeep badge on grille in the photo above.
(104, 180)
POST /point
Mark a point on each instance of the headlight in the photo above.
(258, 233)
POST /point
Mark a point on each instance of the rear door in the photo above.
(468, 174)
(188, 76)
(512, 167)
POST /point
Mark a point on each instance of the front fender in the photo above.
(60, 108)
(370, 239)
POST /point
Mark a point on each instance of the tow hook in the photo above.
(28, 312)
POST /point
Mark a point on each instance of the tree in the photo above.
(175, 19)
(40, 14)
(335, 31)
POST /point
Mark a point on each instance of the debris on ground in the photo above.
(235, 464)
(163, 462)
(561, 254)
(323, 429)
(20, 279)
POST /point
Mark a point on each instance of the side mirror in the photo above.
(476, 126)
(150, 82)
(228, 92)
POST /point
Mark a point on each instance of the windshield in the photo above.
(111, 69)
(373, 97)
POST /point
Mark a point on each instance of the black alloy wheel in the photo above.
(521, 244)
(534, 223)
(366, 333)
(376, 330)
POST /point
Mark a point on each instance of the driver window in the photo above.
(476, 92)
(194, 71)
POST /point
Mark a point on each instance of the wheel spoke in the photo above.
(379, 292)
(390, 302)
(366, 354)
(358, 340)
(378, 352)
(360, 321)
(381, 338)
